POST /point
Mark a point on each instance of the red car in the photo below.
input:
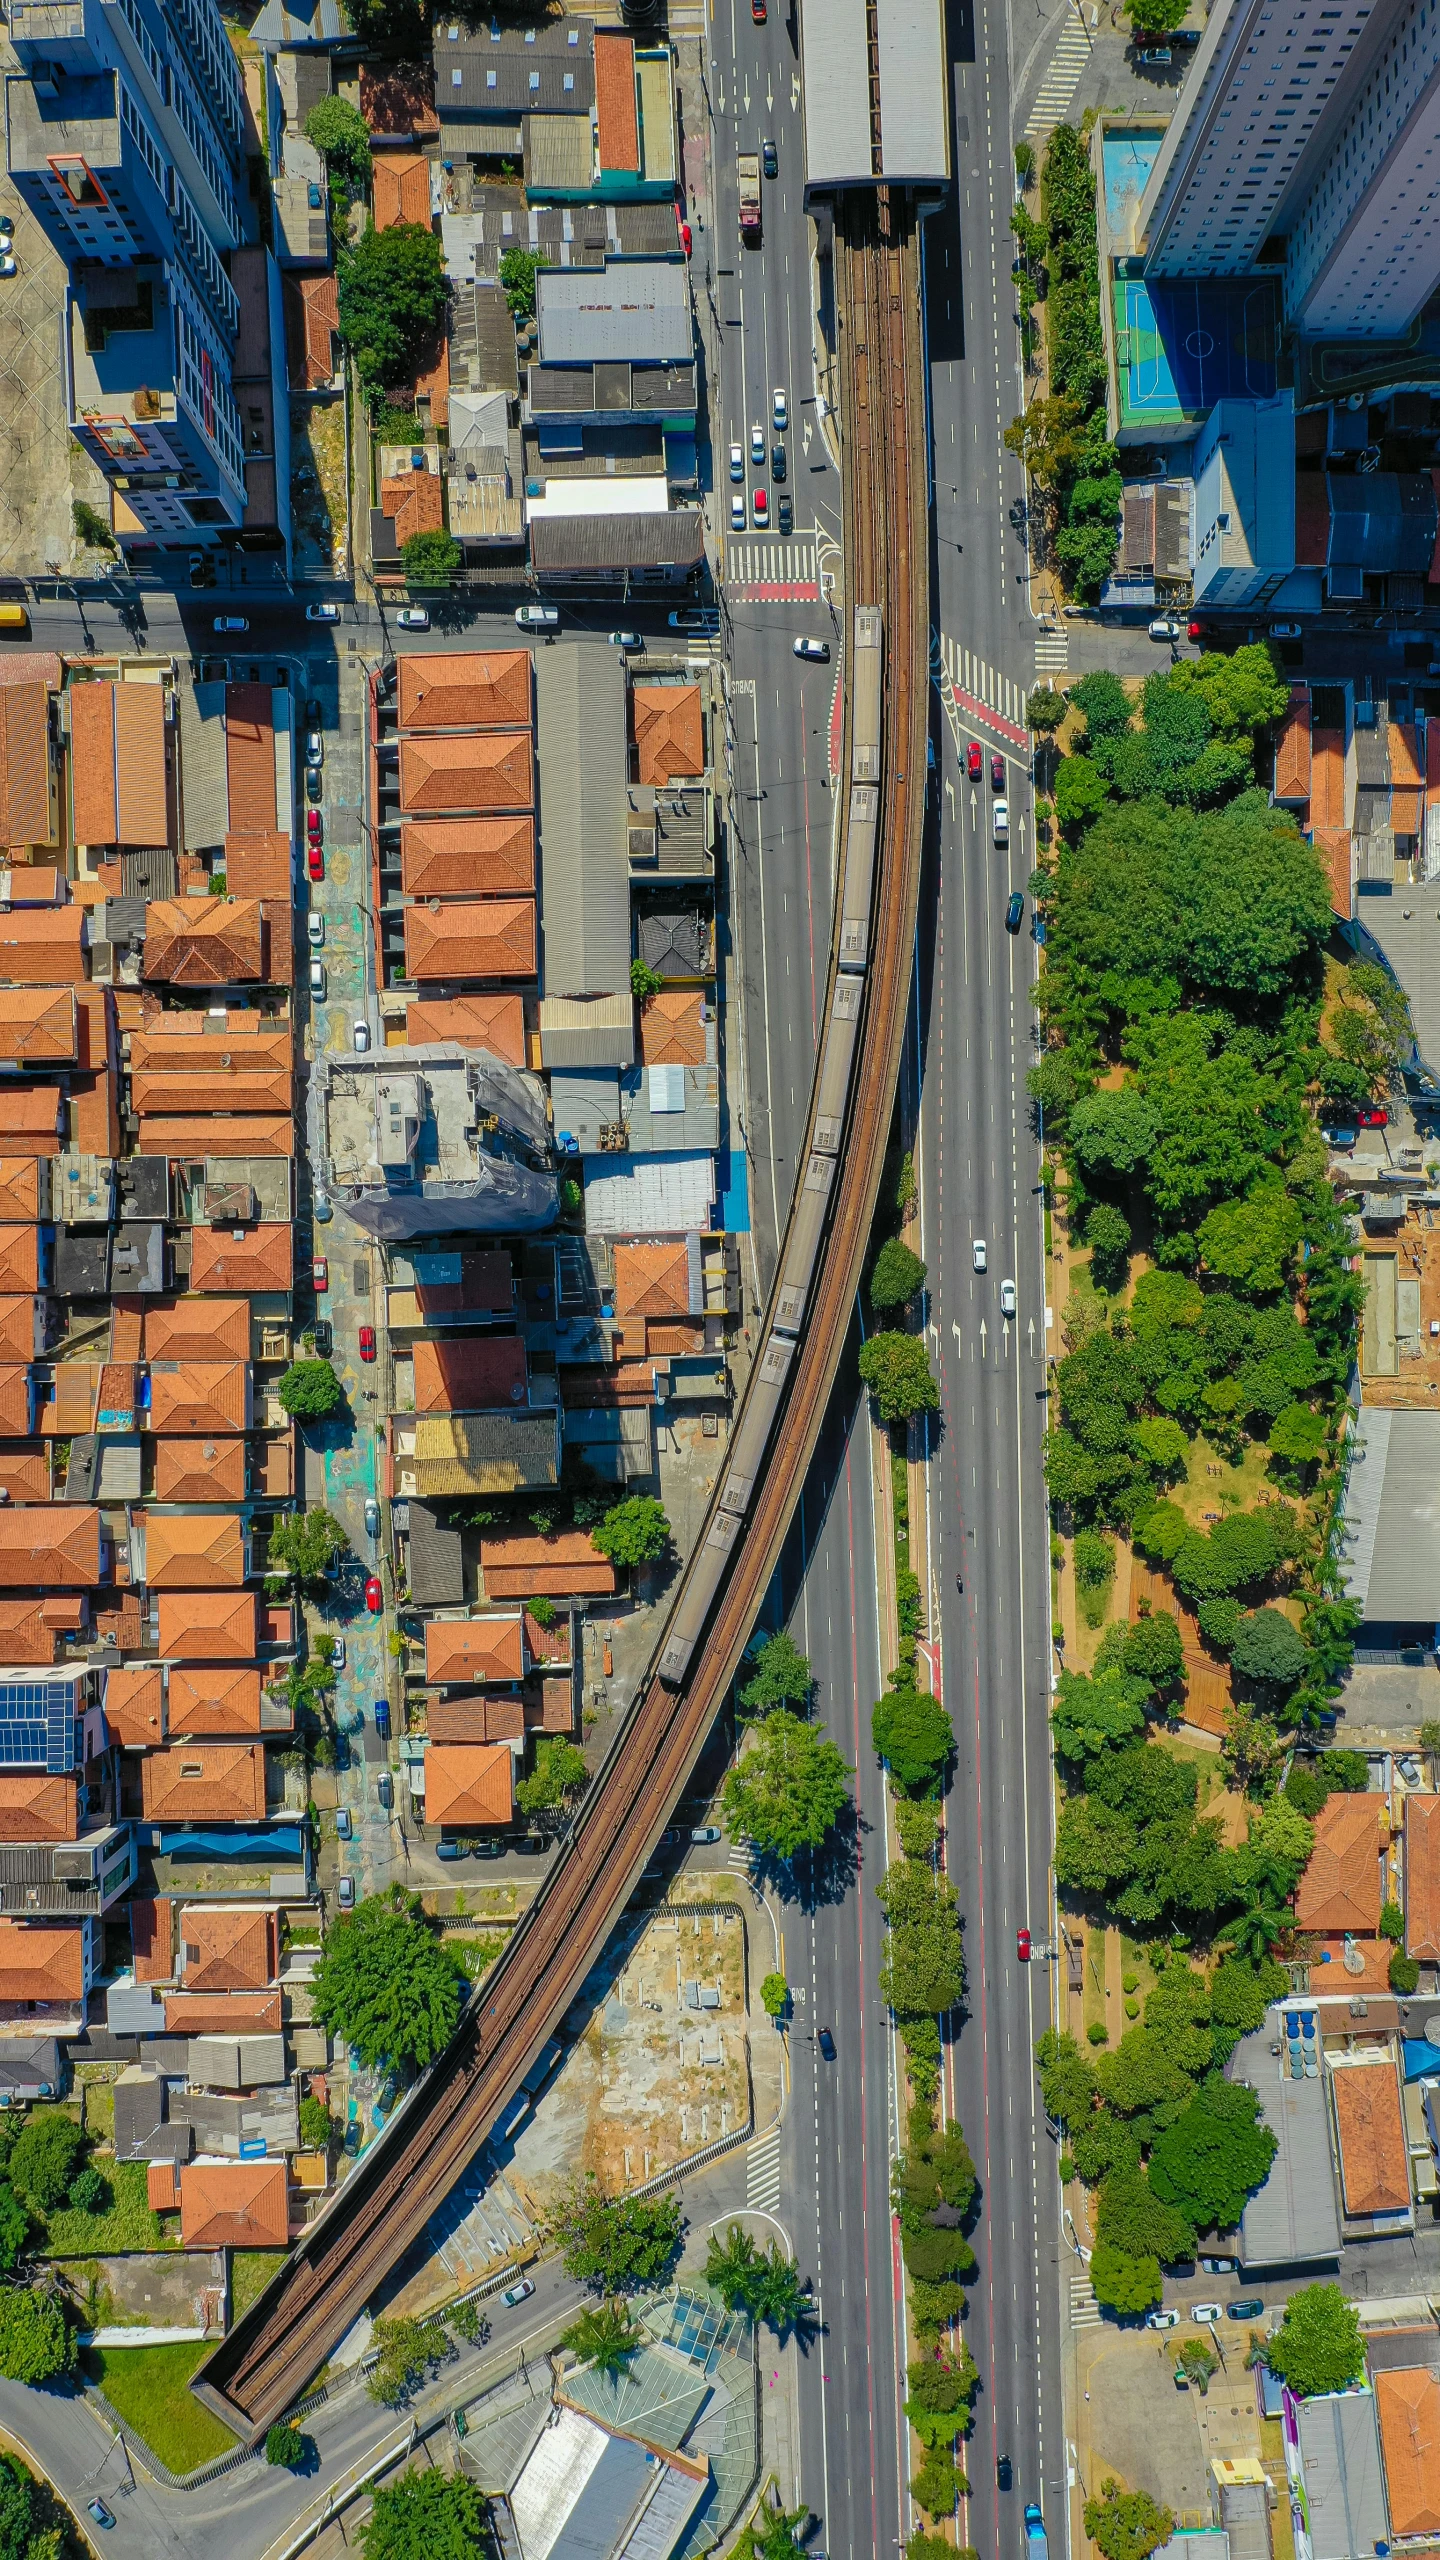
(1372, 1115)
(1194, 630)
(757, 12)
(1022, 1945)
(374, 1596)
(320, 1272)
(314, 860)
(761, 506)
(314, 825)
(684, 233)
(997, 773)
(974, 761)
(367, 1342)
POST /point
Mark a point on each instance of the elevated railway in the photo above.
(261, 2368)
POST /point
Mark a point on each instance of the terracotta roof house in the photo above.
(25, 1470)
(483, 938)
(232, 1950)
(249, 1040)
(669, 732)
(25, 765)
(152, 1940)
(195, 1551)
(42, 1962)
(162, 2185)
(34, 1806)
(117, 763)
(1292, 750)
(19, 1187)
(466, 689)
(415, 503)
(617, 116)
(401, 191)
(204, 1782)
(197, 1328)
(469, 1783)
(1340, 1888)
(234, 2204)
(1407, 2404)
(204, 942)
(476, 1718)
(673, 1029)
(231, 1092)
(496, 1023)
(255, 1259)
(22, 1329)
(469, 858)
(517, 1567)
(474, 1649)
(399, 99)
(189, 1134)
(19, 1259)
(199, 1471)
(1374, 2160)
(192, 1396)
(486, 769)
(466, 1377)
(16, 1400)
(135, 1705)
(50, 1546)
(43, 946)
(26, 1635)
(658, 1279)
(250, 758)
(260, 865)
(207, 1626)
(224, 2013)
(218, 1699)
(1422, 1878)
(312, 325)
(31, 1118)
(38, 1026)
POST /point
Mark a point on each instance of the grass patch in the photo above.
(99, 2104)
(1094, 1966)
(250, 2272)
(128, 2225)
(1232, 1488)
(150, 2388)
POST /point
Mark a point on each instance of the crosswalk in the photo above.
(1063, 76)
(976, 695)
(762, 2173)
(739, 1859)
(1052, 652)
(1084, 2309)
(783, 572)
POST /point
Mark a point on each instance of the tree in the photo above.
(1091, 1713)
(315, 2123)
(1151, 18)
(635, 1532)
(1317, 2347)
(1045, 437)
(432, 559)
(1126, 2524)
(284, 2445)
(1251, 1242)
(1045, 710)
(559, 1772)
(774, 1995)
(91, 528)
(895, 1368)
(1218, 1620)
(1080, 793)
(937, 2484)
(922, 1972)
(1107, 1233)
(1392, 1923)
(310, 1391)
(897, 1276)
(1267, 1649)
(386, 1983)
(20, 2515)
(782, 1676)
(1430, 1743)
(731, 2266)
(914, 1736)
(606, 2338)
(1250, 1750)
(1103, 703)
(407, 2351)
(1113, 1131)
(1122, 2283)
(48, 2152)
(341, 136)
(306, 1544)
(617, 2244)
(1214, 2155)
(644, 981)
(1155, 1650)
(88, 2192)
(788, 1790)
(392, 299)
(518, 271)
(779, 2299)
(426, 2515)
(14, 2227)
(1132, 2218)
(1403, 1973)
(1297, 1435)
(36, 2343)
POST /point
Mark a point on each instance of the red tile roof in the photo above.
(162, 2185)
(474, 1649)
(204, 1782)
(30, 1110)
(152, 1940)
(25, 1469)
(36, 1807)
(203, 942)
(496, 1023)
(312, 323)
(24, 765)
(1340, 1888)
(671, 1030)
(219, 1699)
(232, 1135)
(250, 759)
(194, 1551)
(235, 1090)
(466, 689)
(18, 1328)
(483, 769)
(475, 1719)
(1374, 2160)
(669, 732)
(19, 1188)
(42, 946)
(1327, 778)
(400, 189)
(416, 503)
(258, 866)
(468, 858)
(135, 1705)
(199, 1471)
(55, 1546)
(249, 1040)
(468, 1377)
(234, 2204)
(191, 1396)
(1407, 2404)
(464, 938)
(517, 1567)
(207, 1626)
(15, 1412)
(25, 1635)
(1422, 1878)
(652, 1279)
(38, 1026)
(197, 1328)
(117, 763)
(224, 2013)
(468, 1782)
(258, 1260)
(227, 1950)
(39, 1961)
(617, 120)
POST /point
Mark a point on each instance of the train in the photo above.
(805, 1233)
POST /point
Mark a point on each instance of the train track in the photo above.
(264, 2363)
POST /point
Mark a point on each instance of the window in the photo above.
(457, 78)
(534, 82)
(491, 80)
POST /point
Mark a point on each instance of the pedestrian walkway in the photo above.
(1084, 2309)
(1052, 652)
(983, 697)
(762, 2173)
(783, 572)
(1063, 76)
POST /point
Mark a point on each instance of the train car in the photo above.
(837, 1059)
(865, 694)
(858, 885)
(698, 1597)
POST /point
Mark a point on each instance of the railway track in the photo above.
(264, 2363)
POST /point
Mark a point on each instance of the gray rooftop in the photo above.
(581, 752)
(437, 1576)
(1344, 2488)
(1413, 954)
(420, 1141)
(833, 53)
(1391, 1554)
(487, 69)
(663, 1110)
(636, 309)
(914, 88)
(588, 1031)
(1293, 2220)
(203, 779)
(575, 543)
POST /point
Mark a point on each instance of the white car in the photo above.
(1162, 628)
(780, 410)
(737, 511)
(317, 978)
(1163, 2320)
(819, 650)
(537, 617)
(229, 622)
(737, 461)
(322, 613)
(315, 930)
(626, 640)
(314, 747)
(413, 618)
(978, 1254)
(757, 445)
(1287, 631)
(7, 264)
(1207, 2313)
(1007, 1297)
(361, 1034)
(1000, 821)
(517, 2293)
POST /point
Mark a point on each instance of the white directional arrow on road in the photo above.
(972, 808)
(747, 97)
(982, 1337)
(955, 1329)
(805, 434)
(1030, 1329)
(950, 796)
(769, 93)
(794, 91)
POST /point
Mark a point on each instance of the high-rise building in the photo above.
(125, 134)
(1363, 238)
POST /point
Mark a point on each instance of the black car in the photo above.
(324, 1338)
(769, 159)
(785, 516)
(1003, 2473)
(777, 462)
(1251, 2306)
(1014, 912)
(826, 2042)
(314, 783)
(534, 1845)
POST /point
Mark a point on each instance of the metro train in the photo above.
(805, 1233)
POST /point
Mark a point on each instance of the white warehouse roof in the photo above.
(914, 138)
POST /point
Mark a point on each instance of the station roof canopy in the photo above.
(909, 142)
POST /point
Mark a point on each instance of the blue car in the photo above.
(382, 1718)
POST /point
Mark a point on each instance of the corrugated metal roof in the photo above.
(493, 70)
(649, 1195)
(834, 60)
(634, 309)
(1293, 2219)
(1344, 2491)
(584, 845)
(559, 152)
(587, 1031)
(673, 541)
(204, 780)
(914, 88)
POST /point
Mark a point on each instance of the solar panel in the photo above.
(36, 1728)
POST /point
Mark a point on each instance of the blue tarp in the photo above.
(732, 1182)
(285, 1847)
(1421, 2060)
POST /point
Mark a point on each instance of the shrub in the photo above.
(644, 981)
(431, 559)
(284, 2445)
(315, 2124)
(774, 1995)
(88, 2192)
(46, 2157)
(897, 1277)
(1392, 1923)
(1404, 1973)
(91, 528)
(1097, 2032)
(635, 1532)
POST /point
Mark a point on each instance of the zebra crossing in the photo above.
(1084, 2309)
(784, 572)
(1062, 79)
(762, 2173)
(979, 693)
(1052, 652)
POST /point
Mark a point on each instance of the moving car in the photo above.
(229, 622)
(705, 1834)
(345, 1893)
(315, 929)
(413, 617)
(769, 159)
(785, 516)
(360, 1034)
(1000, 822)
(777, 462)
(1004, 2476)
(1163, 2320)
(1007, 1297)
(757, 12)
(374, 1596)
(344, 1827)
(366, 1341)
(737, 462)
(1022, 1945)
(626, 640)
(318, 980)
(322, 613)
(979, 1254)
(101, 2513)
(737, 511)
(314, 747)
(819, 650)
(826, 2042)
(997, 773)
(761, 504)
(537, 617)
(315, 859)
(757, 444)
(780, 408)
(518, 2293)
(1014, 911)
(974, 760)
(1162, 628)
(1251, 2306)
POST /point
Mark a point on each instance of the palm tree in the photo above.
(1258, 1929)
(734, 2266)
(605, 2338)
(776, 2535)
(779, 2297)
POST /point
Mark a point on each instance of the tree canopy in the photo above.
(342, 137)
(789, 1788)
(559, 1774)
(781, 1676)
(310, 1391)
(432, 559)
(1214, 2155)
(426, 2515)
(605, 2337)
(897, 1371)
(387, 1984)
(47, 2154)
(392, 299)
(914, 1736)
(897, 1276)
(634, 1532)
(617, 2243)
(36, 2343)
(1318, 2346)
(306, 1544)
(1126, 2524)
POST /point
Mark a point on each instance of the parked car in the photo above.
(737, 462)
(1194, 630)
(319, 983)
(372, 1518)
(314, 784)
(315, 859)
(627, 640)
(1338, 1135)
(785, 516)
(1163, 2320)
(413, 617)
(101, 2513)
(769, 159)
(382, 1718)
(537, 617)
(533, 1845)
(777, 461)
(979, 1252)
(757, 445)
(448, 1849)
(229, 622)
(1007, 1297)
(314, 826)
(826, 2042)
(819, 650)
(1251, 2306)
(340, 1656)
(780, 408)
(1014, 908)
(344, 1827)
(705, 1834)
(1218, 2266)
(322, 613)
(322, 1209)
(1373, 1115)
(324, 1337)
(1022, 1945)
(366, 1342)
(685, 242)
(760, 505)
(974, 760)
(1287, 631)
(314, 747)
(360, 1034)
(487, 1849)
(385, 1790)
(314, 929)
(517, 2293)
(1206, 2313)
(997, 773)
(320, 1272)
(1162, 628)
(345, 1893)
(737, 511)
(374, 1596)
(703, 618)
